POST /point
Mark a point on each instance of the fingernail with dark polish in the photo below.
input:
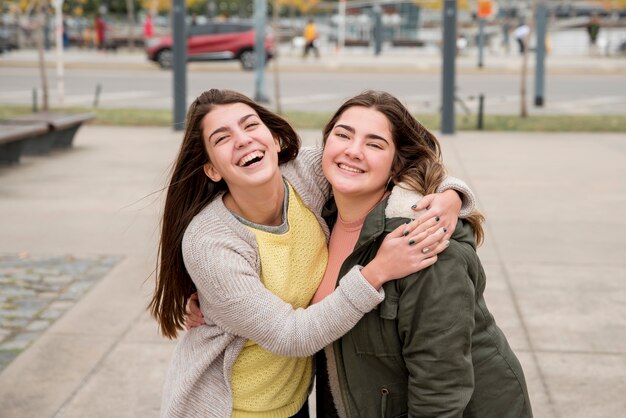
(405, 233)
(411, 242)
(414, 207)
(445, 230)
(436, 218)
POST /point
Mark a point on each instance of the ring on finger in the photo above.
(425, 250)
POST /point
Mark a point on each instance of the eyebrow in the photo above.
(370, 136)
(239, 122)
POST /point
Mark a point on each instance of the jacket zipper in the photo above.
(383, 402)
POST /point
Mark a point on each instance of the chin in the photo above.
(345, 189)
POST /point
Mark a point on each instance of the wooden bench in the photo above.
(62, 129)
(13, 137)
(356, 42)
(407, 43)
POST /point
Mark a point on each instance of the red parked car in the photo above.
(212, 41)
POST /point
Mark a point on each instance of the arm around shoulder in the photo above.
(467, 195)
(233, 297)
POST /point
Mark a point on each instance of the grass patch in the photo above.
(511, 123)
(317, 120)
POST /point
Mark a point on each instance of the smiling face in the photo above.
(359, 153)
(242, 150)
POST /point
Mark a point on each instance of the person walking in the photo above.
(521, 34)
(310, 39)
(100, 27)
(593, 30)
(148, 27)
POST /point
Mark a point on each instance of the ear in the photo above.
(277, 142)
(211, 172)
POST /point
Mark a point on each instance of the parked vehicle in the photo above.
(212, 41)
(8, 40)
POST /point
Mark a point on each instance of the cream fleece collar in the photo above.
(400, 201)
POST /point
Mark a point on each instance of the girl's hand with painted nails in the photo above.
(444, 206)
(193, 315)
(409, 248)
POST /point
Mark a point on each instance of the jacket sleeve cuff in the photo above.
(359, 291)
(467, 196)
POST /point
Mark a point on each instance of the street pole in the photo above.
(341, 27)
(378, 29)
(179, 49)
(481, 41)
(260, 14)
(448, 75)
(275, 16)
(541, 25)
(58, 15)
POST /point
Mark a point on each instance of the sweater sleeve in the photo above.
(436, 321)
(233, 297)
(467, 196)
(306, 175)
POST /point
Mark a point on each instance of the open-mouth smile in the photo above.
(251, 159)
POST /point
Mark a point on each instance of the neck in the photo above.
(262, 205)
(352, 208)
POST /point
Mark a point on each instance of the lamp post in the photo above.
(179, 67)
(260, 14)
(448, 76)
(542, 20)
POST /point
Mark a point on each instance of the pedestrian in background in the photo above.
(100, 28)
(521, 36)
(310, 39)
(593, 29)
(506, 32)
(148, 27)
(65, 34)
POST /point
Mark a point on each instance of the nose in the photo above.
(242, 139)
(353, 150)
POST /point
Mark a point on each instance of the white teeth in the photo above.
(250, 157)
(351, 169)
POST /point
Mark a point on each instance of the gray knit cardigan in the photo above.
(222, 258)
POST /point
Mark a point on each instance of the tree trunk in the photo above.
(42, 63)
(531, 27)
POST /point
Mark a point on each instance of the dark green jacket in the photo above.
(431, 349)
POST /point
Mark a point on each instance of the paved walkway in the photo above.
(554, 255)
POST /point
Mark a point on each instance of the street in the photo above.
(316, 90)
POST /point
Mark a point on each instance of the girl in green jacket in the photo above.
(431, 349)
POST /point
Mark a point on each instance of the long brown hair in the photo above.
(417, 161)
(188, 192)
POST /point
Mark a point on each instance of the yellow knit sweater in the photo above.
(292, 267)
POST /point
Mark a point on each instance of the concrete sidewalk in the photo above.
(554, 256)
(392, 60)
